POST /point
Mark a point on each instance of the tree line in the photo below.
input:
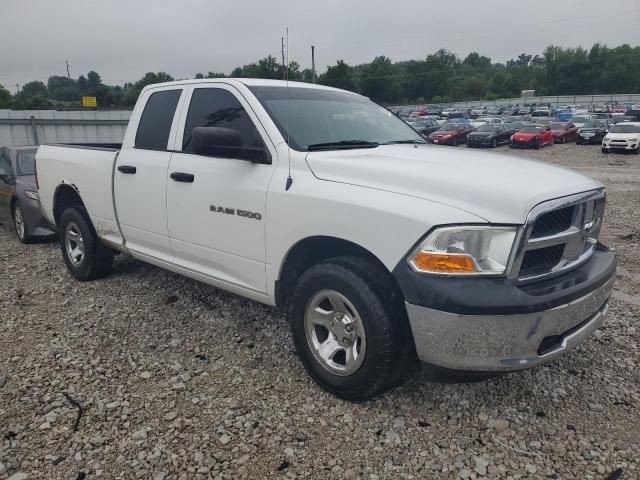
(438, 78)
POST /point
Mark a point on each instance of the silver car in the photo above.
(19, 201)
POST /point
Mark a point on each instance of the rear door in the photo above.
(217, 216)
(140, 177)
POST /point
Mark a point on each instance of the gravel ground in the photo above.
(178, 380)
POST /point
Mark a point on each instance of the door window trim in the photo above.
(182, 121)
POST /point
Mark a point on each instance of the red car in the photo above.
(451, 134)
(532, 136)
(564, 132)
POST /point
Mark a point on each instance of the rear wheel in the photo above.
(85, 256)
(20, 224)
(348, 328)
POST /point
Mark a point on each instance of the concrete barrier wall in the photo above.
(35, 127)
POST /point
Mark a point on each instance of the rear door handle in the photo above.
(127, 169)
(182, 177)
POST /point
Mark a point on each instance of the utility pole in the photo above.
(313, 63)
(69, 77)
(284, 67)
(17, 88)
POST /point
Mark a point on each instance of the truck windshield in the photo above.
(314, 118)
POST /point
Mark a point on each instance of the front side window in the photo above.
(155, 123)
(216, 107)
(26, 162)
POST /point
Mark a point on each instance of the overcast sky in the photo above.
(123, 39)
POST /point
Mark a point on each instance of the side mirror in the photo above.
(226, 143)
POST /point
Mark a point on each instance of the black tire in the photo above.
(538, 144)
(564, 140)
(605, 151)
(21, 232)
(455, 142)
(494, 143)
(389, 343)
(97, 260)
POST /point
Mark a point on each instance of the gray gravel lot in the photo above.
(178, 380)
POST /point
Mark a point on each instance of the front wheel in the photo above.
(605, 150)
(20, 224)
(348, 328)
(85, 256)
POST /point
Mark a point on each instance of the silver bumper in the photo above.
(505, 342)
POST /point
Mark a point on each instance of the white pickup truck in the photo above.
(379, 247)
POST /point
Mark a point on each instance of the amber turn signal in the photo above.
(444, 263)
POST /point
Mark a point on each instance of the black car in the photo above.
(490, 135)
(516, 126)
(592, 132)
(425, 125)
(624, 118)
(19, 200)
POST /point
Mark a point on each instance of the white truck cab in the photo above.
(379, 247)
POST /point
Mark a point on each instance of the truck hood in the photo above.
(497, 188)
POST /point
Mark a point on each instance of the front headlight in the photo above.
(464, 250)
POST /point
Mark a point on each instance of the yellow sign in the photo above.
(89, 102)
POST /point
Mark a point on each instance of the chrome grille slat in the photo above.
(537, 252)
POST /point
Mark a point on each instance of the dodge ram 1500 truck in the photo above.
(379, 247)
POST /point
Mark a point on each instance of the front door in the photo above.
(216, 204)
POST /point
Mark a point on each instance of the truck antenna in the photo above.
(286, 69)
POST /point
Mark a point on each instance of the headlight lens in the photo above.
(32, 195)
(464, 250)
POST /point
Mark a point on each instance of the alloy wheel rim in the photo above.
(335, 333)
(19, 221)
(74, 244)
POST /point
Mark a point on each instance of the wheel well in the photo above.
(65, 197)
(311, 251)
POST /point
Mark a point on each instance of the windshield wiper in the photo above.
(398, 142)
(343, 144)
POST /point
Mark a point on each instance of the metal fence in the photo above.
(554, 101)
(35, 127)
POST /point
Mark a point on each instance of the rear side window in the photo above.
(155, 123)
(216, 107)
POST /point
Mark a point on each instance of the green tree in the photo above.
(5, 98)
(339, 75)
(132, 92)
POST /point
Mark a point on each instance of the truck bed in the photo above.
(87, 169)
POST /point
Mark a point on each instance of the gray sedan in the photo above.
(19, 201)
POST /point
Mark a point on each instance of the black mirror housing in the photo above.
(226, 143)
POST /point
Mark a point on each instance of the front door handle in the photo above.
(127, 169)
(182, 177)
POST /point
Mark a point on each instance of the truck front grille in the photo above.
(559, 235)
